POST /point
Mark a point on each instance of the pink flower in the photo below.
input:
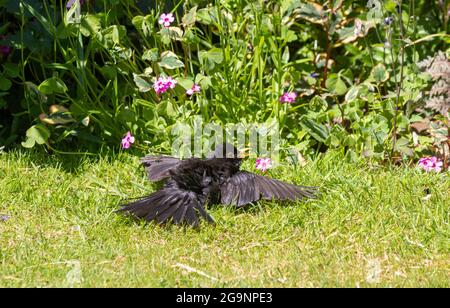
(430, 163)
(160, 85)
(166, 19)
(288, 97)
(170, 82)
(127, 141)
(5, 50)
(163, 84)
(72, 2)
(263, 164)
(195, 89)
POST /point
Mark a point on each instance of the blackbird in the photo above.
(193, 183)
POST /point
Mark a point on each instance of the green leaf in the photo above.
(127, 115)
(149, 115)
(111, 35)
(12, 70)
(206, 15)
(90, 25)
(190, 37)
(211, 57)
(285, 57)
(203, 81)
(318, 103)
(147, 72)
(352, 94)
(47, 25)
(137, 22)
(170, 60)
(185, 83)
(215, 55)
(336, 85)
(166, 108)
(151, 55)
(375, 10)
(144, 24)
(116, 35)
(143, 102)
(53, 85)
(171, 33)
(5, 83)
(29, 143)
(287, 6)
(189, 18)
(141, 83)
(288, 35)
(108, 71)
(318, 131)
(36, 96)
(312, 12)
(402, 147)
(36, 134)
(379, 73)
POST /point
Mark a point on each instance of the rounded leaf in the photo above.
(379, 73)
(53, 85)
(336, 85)
(5, 84)
(170, 60)
(36, 134)
(142, 84)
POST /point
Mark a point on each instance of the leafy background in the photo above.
(79, 78)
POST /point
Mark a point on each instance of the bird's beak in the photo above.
(244, 153)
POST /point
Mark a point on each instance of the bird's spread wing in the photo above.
(169, 204)
(158, 167)
(245, 187)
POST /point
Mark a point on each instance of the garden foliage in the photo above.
(81, 74)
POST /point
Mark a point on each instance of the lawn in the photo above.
(371, 226)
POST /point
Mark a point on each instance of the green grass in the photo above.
(369, 221)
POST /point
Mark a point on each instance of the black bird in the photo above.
(193, 183)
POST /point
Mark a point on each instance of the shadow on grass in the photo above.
(70, 162)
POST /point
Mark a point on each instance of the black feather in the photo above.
(158, 167)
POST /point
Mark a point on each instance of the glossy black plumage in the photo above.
(193, 183)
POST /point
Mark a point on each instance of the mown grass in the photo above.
(371, 226)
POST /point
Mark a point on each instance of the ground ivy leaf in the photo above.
(189, 18)
(185, 83)
(36, 134)
(5, 84)
(52, 85)
(151, 55)
(352, 94)
(142, 84)
(336, 85)
(90, 25)
(379, 73)
(170, 60)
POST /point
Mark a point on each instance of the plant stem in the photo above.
(328, 51)
(400, 83)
